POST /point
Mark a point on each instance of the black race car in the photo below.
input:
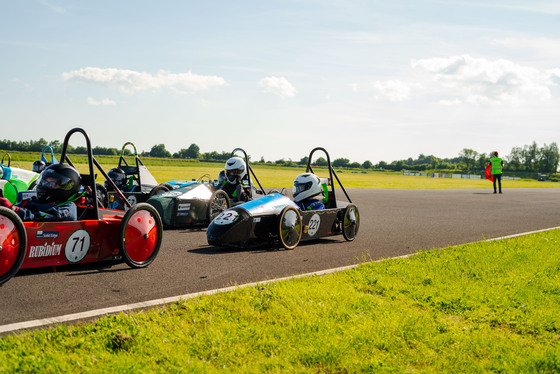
(191, 203)
(275, 218)
(134, 182)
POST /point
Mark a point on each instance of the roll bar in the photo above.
(332, 173)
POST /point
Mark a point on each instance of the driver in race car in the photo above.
(306, 187)
(231, 179)
(118, 176)
(58, 186)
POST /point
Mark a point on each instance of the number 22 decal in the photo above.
(313, 225)
(227, 217)
(77, 246)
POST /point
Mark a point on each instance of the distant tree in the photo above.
(549, 156)
(367, 164)
(468, 156)
(482, 161)
(382, 165)
(530, 156)
(159, 151)
(193, 152)
(340, 162)
(398, 165)
(303, 160)
(355, 165)
(514, 160)
(320, 162)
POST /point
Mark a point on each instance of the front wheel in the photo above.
(290, 227)
(350, 222)
(13, 244)
(161, 188)
(140, 235)
(219, 201)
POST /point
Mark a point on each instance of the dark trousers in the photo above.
(498, 177)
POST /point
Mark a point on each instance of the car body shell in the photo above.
(99, 234)
(255, 223)
(187, 204)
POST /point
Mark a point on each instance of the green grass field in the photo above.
(279, 177)
(480, 307)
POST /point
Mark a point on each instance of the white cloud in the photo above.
(450, 102)
(130, 81)
(103, 102)
(278, 86)
(394, 90)
(54, 7)
(478, 80)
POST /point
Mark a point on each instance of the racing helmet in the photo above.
(235, 169)
(305, 186)
(39, 166)
(57, 183)
(118, 176)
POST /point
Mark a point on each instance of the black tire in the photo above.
(350, 222)
(219, 201)
(161, 188)
(140, 235)
(290, 227)
(102, 195)
(13, 244)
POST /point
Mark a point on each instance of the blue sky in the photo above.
(367, 80)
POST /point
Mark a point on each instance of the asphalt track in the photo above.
(393, 223)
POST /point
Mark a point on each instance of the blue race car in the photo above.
(275, 218)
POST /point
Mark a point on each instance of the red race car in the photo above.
(98, 234)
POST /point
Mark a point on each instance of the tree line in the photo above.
(529, 158)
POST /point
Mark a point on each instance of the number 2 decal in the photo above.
(77, 246)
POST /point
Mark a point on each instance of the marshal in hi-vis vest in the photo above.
(496, 165)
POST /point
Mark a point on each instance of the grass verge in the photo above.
(479, 307)
(279, 177)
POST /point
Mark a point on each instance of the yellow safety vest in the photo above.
(496, 165)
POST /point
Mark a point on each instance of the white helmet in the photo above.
(305, 186)
(235, 169)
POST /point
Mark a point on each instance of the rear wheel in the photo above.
(161, 188)
(219, 201)
(350, 222)
(289, 227)
(140, 235)
(102, 195)
(13, 244)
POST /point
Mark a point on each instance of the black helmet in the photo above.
(58, 183)
(118, 176)
(39, 166)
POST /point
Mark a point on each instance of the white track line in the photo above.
(157, 302)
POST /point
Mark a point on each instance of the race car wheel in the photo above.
(13, 244)
(289, 227)
(140, 235)
(350, 222)
(161, 188)
(219, 201)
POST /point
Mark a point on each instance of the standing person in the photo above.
(497, 164)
